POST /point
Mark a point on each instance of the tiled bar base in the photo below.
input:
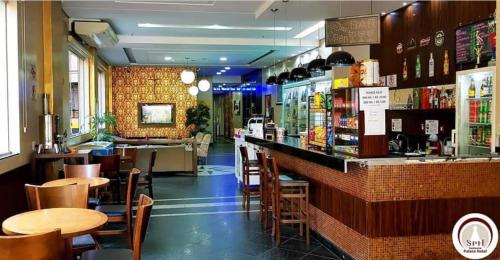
(404, 211)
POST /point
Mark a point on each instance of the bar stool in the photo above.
(290, 202)
(265, 189)
(247, 172)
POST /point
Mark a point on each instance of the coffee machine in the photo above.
(50, 139)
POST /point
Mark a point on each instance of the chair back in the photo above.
(110, 164)
(263, 169)
(133, 178)
(275, 175)
(45, 246)
(144, 208)
(67, 196)
(199, 137)
(130, 152)
(205, 143)
(244, 159)
(82, 170)
(152, 161)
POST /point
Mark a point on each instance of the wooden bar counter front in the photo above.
(395, 209)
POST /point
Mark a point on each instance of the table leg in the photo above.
(68, 248)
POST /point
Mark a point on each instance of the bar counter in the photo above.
(391, 208)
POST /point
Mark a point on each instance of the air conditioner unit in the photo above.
(96, 34)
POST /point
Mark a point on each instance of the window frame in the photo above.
(84, 115)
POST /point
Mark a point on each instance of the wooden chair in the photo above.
(46, 246)
(146, 178)
(110, 168)
(247, 172)
(141, 224)
(68, 196)
(294, 195)
(85, 171)
(122, 213)
(265, 188)
(128, 158)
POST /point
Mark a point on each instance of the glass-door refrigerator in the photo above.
(475, 112)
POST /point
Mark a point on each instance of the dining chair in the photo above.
(85, 171)
(45, 246)
(110, 168)
(128, 158)
(144, 208)
(199, 137)
(146, 178)
(202, 150)
(67, 196)
(122, 213)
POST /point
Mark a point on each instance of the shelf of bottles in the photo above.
(475, 127)
(320, 125)
(295, 108)
(345, 120)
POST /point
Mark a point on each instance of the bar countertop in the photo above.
(338, 161)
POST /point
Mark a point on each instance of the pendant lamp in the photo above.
(204, 85)
(283, 77)
(272, 80)
(299, 73)
(340, 58)
(193, 91)
(317, 64)
(187, 76)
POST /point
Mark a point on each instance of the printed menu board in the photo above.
(356, 30)
(469, 37)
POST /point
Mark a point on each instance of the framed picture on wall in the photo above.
(156, 114)
(279, 95)
(268, 105)
(236, 107)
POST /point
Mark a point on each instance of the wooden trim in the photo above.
(48, 78)
(92, 80)
(109, 90)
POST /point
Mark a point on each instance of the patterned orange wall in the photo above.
(135, 85)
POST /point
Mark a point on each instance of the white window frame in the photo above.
(9, 81)
(83, 86)
(101, 92)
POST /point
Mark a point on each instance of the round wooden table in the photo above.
(93, 182)
(72, 222)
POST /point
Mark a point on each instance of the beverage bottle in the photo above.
(482, 89)
(409, 102)
(446, 63)
(431, 66)
(472, 89)
(436, 99)
(481, 112)
(405, 70)
(417, 67)
(487, 111)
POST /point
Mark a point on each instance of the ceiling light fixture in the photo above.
(227, 68)
(223, 59)
(405, 3)
(310, 30)
(188, 3)
(222, 71)
(218, 73)
(187, 76)
(204, 85)
(273, 79)
(168, 58)
(299, 73)
(340, 58)
(193, 91)
(318, 64)
(383, 13)
(212, 27)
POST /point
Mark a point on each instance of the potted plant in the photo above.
(100, 125)
(197, 118)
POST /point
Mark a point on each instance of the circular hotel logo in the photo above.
(475, 236)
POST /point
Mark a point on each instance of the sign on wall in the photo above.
(355, 30)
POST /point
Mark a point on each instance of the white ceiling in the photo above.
(204, 47)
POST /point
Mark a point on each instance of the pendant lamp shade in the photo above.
(283, 77)
(299, 73)
(193, 91)
(272, 80)
(204, 85)
(340, 59)
(187, 76)
(316, 65)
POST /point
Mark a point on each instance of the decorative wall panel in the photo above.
(132, 85)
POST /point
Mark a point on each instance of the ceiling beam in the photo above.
(263, 8)
(128, 39)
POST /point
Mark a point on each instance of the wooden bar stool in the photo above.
(247, 172)
(290, 202)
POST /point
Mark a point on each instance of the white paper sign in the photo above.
(397, 125)
(375, 122)
(431, 127)
(374, 98)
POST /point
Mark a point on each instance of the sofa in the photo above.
(169, 158)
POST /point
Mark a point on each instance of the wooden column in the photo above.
(48, 78)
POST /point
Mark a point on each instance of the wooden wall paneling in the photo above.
(12, 191)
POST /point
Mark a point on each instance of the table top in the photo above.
(79, 154)
(94, 182)
(72, 222)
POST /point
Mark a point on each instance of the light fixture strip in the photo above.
(213, 27)
(310, 30)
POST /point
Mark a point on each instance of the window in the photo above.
(79, 94)
(101, 93)
(9, 80)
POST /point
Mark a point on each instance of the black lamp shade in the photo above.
(316, 65)
(299, 73)
(339, 59)
(272, 80)
(283, 77)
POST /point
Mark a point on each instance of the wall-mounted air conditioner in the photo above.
(96, 34)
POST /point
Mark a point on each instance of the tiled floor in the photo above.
(202, 218)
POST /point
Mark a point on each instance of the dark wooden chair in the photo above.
(128, 158)
(146, 178)
(68, 196)
(85, 171)
(265, 189)
(122, 213)
(248, 170)
(110, 168)
(290, 202)
(141, 224)
(46, 246)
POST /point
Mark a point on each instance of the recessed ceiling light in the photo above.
(227, 68)
(222, 71)
(223, 59)
(405, 3)
(218, 73)
(383, 13)
(310, 30)
(168, 58)
(223, 84)
(213, 27)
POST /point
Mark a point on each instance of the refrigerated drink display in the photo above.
(475, 111)
(319, 122)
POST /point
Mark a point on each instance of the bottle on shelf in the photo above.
(483, 88)
(446, 63)
(405, 70)
(431, 66)
(417, 67)
(409, 102)
(472, 89)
